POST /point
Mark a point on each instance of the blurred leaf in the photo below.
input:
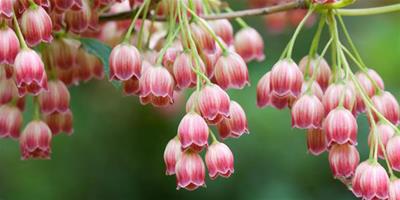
(102, 51)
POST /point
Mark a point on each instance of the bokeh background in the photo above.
(116, 151)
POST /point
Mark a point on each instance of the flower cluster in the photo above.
(43, 53)
(47, 46)
(326, 100)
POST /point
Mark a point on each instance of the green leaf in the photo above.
(102, 51)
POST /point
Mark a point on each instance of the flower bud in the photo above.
(170, 57)
(30, 73)
(231, 71)
(264, 91)
(190, 171)
(394, 189)
(35, 141)
(78, 20)
(210, 59)
(336, 93)
(172, 154)
(307, 112)
(10, 121)
(57, 20)
(213, 103)
(315, 89)
(157, 87)
(88, 66)
(125, 62)
(9, 45)
(365, 80)
(393, 152)
(234, 126)
(340, 127)
(223, 28)
(193, 132)
(343, 159)
(316, 141)
(323, 70)
(385, 132)
(60, 122)
(204, 40)
(219, 160)
(63, 53)
(8, 90)
(36, 26)
(286, 79)
(183, 70)
(388, 106)
(56, 99)
(6, 8)
(249, 44)
(371, 181)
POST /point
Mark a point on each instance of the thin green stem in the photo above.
(366, 99)
(336, 61)
(239, 20)
(377, 139)
(19, 33)
(362, 68)
(208, 29)
(140, 37)
(170, 40)
(316, 67)
(317, 36)
(36, 111)
(195, 53)
(369, 11)
(314, 44)
(297, 31)
(213, 137)
(133, 23)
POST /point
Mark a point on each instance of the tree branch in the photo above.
(264, 11)
(230, 15)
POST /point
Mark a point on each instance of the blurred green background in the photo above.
(116, 151)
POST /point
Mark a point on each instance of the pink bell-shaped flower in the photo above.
(36, 25)
(234, 126)
(340, 127)
(219, 160)
(35, 141)
(125, 62)
(9, 45)
(193, 132)
(249, 44)
(231, 71)
(343, 159)
(190, 171)
(307, 112)
(286, 79)
(30, 74)
(172, 154)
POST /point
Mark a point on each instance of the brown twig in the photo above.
(265, 11)
(230, 15)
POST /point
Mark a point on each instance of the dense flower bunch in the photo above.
(47, 46)
(43, 53)
(325, 100)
